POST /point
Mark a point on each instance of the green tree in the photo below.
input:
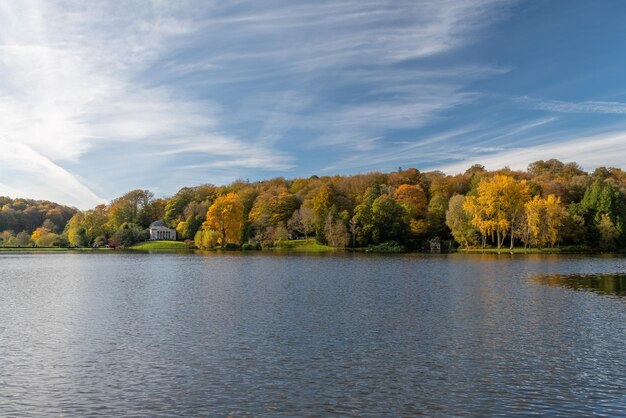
(76, 232)
(460, 223)
(129, 234)
(135, 207)
(603, 198)
(608, 233)
(22, 239)
(388, 221)
(96, 223)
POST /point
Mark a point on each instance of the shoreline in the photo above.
(304, 248)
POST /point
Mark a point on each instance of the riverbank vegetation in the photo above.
(548, 206)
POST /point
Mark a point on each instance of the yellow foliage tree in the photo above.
(43, 237)
(272, 207)
(225, 216)
(545, 218)
(206, 239)
(323, 202)
(498, 206)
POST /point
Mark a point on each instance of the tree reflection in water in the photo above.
(606, 284)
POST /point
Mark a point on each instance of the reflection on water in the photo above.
(606, 284)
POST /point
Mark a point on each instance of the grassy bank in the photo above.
(301, 245)
(159, 245)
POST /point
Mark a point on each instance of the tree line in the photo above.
(19, 218)
(550, 204)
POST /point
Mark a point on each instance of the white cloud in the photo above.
(34, 176)
(215, 86)
(69, 82)
(607, 108)
(590, 152)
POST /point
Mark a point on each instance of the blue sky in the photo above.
(98, 98)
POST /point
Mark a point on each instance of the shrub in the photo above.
(251, 247)
(386, 247)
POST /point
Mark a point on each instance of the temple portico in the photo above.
(160, 231)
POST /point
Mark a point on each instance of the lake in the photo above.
(311, 335)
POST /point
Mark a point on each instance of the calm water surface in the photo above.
(303, 335)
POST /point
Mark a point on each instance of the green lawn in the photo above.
(159, 245)
(305, 246)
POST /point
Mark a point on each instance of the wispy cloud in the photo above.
(608, 108)
(69, 84)
(349, 60)
(30, 171)
(108, 96)
(468, 141)
(606, 149)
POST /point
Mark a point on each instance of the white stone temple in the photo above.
(160, 231)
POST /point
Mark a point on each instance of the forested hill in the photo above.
(26, 215)
(550, 204)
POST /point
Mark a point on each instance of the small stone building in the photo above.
(160, 231)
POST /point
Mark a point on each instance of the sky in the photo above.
(101, 97)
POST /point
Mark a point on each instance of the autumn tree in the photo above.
(43, 237)
(335, 232)
(499, 204)
(225, 216)
(280, 233)
(545, 218)
(302, 221)
(206, 239)
(194, 215)
(96, 223)
(272, 207)
(322, 203)
(135, 207)
(413, 200)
